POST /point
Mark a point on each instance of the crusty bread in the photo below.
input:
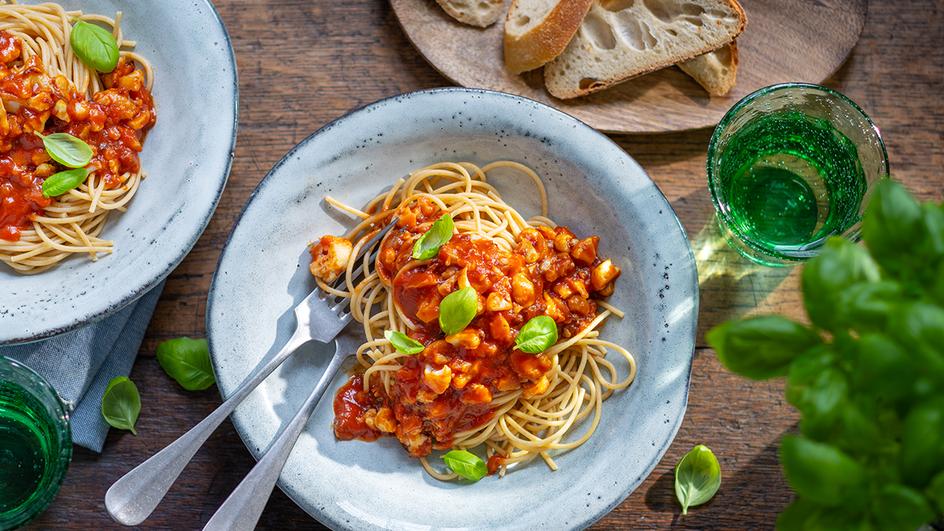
(481, 13)
(537, 31)
(716, 71)
(621, 39)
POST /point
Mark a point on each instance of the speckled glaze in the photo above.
(595, 187)
(187, 156)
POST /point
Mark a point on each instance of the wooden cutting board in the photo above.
(785, 40)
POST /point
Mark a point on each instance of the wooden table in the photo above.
(303, 63)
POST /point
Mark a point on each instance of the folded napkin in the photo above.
(80, 364)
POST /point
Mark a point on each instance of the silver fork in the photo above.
(131, 499)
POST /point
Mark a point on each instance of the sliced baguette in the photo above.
(621, 39)
(716, 71)
(481, 13)
(537, 31)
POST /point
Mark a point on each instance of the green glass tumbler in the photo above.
(789, 166)
(35, 443)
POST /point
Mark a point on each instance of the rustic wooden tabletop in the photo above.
(303, 63)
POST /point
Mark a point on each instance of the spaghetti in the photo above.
(45, 88)
(473, 388)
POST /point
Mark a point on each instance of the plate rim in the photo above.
(108, 311)
(324, 518)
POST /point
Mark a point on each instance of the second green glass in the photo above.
(789, 166)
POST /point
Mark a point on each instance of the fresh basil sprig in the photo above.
(95, 46)
(70, 151)
(121, 404)
(457, 310)
(537, 335)
(697, 477)
(187, 361)
(60, 183)
(466, 464)
(427, 246)
(867, 375)
(403, 343)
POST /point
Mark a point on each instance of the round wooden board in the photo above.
(785, 40)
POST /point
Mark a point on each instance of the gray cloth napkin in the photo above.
(80, 364)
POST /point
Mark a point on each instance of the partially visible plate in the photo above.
(785, 40)
(187, 157)
(594, 187)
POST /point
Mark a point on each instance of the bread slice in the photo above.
(621, 39)
(716, 71)
(537, 31)
(481, 13)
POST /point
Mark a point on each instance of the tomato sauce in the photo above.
(448, 388)
(113, 123)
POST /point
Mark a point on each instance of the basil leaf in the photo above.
(761, 347)
(468, 465)
(457, 310)
(922, 443)
(920, 327)
(60, 183)
(121, 404)
(95, 46)
(697, 477)
(67, 150)
(797, 515)
(187, 361)
(883, 369)
(429, 243)
(867, 305)
(935, 491)
(840, 265)
(899, 507)
(537, 335)
(892, 221)
(818, 390)
(822, 472)
(403, 343)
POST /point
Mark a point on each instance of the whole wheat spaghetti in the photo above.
(473, 389)
(45, 88)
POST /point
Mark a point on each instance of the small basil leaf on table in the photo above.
(67, 150)
(761, 347)
(822, 472)
(95, 46)
(187, 361)
(121, 404)
(458, 309)
(697, 477)
(466, 464)
(427, 246)
(403, 343)
(537, 335)
(840, 265)
(60, 183)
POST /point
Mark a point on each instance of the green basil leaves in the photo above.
(67, 150)
(537, 335)
(187, 361)
(121, 404)
(60, 183)
(466, 464)
(457, 310)
(429, 243)
(95, 46)
(403, 343)
(697, 477)
(761, 347)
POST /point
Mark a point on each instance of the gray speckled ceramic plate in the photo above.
(594, 186)
(187, 156)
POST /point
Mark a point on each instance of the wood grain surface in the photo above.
(785, 40)
(303, 63)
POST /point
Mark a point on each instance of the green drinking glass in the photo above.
(35, 443)
(789, 166)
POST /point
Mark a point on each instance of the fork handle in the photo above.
(131, 499)
(242, 509)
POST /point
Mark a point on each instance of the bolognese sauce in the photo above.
(449, 387)
(113, 122)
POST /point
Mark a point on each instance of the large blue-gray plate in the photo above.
(187, 156)
(595, 188)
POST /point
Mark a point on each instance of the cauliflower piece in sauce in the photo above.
(329, 257)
